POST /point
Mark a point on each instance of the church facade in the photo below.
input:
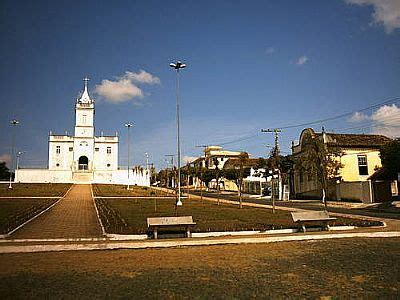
(84, 157)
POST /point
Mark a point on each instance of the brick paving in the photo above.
(73, 217)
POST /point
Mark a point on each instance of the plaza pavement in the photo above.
(74, 216)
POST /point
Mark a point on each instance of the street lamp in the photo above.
(13, 123)
(19, 153)
(147, 165)
(128, 125)
(177, 66)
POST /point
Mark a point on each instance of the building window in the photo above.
(58, 149)
(362, 165)
(83, 119)
(108, 150)
(96, 149)
(108, 165)
(71, 149)
(301, 175)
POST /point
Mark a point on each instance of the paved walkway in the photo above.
(74, 216)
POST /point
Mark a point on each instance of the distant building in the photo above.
(84, 157)
(360, 159)
(213, 155)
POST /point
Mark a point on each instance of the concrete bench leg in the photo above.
(188, 234)
(155, 233)
(326, 226)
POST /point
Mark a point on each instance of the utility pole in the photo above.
(171, 156)
(201, 169)
(276, 132)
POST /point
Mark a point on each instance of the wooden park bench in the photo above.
(312, 217)
(159, 222)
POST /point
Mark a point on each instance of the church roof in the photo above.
(85, 98)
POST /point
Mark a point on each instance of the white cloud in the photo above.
(6, 158)
(302, 60)
(142, 77)
(358, 117)
(270, 50)
(125, 87)
(386, 12)
(387, 120)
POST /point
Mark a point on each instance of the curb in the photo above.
(189, 242)
(103, 231)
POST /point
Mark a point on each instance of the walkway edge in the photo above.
(188, 242)
(97, 212)
(35, 216)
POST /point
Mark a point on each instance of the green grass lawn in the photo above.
(34, 190)
(129, 216)
(114, 190)
(14, 212)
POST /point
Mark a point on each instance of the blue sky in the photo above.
(251, 65)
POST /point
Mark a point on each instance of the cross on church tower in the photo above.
(86, 79)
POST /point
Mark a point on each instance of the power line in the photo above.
(391, 100)
(250, 136)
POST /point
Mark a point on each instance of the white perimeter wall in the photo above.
(141, 178)
(43, 176)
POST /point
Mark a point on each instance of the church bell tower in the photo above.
(84, 131)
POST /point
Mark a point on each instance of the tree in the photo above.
(217, 176)
(390, 157)
(238, 174)
(316, 158)
(206, 175)
(261, 163)
(4, 171)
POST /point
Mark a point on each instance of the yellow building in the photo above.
(359, 159)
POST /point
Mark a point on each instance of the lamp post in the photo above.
(13, 123)
(128, 125)
(177, 66)
(19, 153)
(147, 165)
(147, 160)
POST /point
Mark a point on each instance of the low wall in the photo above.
(135, 177)
(43, 176)
(61, 176)
(355, 191)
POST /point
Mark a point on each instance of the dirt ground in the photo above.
(346, 268)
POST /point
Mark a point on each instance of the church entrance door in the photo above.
(83, 163)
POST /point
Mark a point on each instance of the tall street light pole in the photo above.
(177, 66)
(128, 125)
(147, 166)
(13, 123)
(19, 153)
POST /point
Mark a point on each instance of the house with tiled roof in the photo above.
(359, 159)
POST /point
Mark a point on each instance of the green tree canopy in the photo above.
(4, 171)
(390, 157)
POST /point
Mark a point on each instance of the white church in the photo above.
(84, 158)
